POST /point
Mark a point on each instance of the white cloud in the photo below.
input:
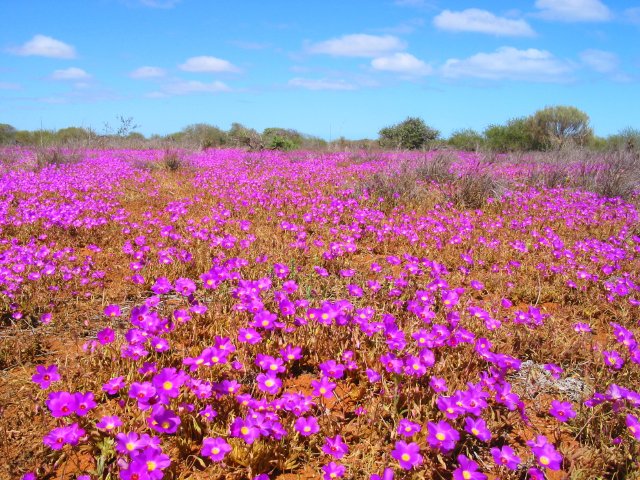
(10, 86)
(600, 61)
(43, 46)
(508, 63)
(208, 64)
(404, 63)
(71, 73)
(186, 87)
(321, 84)
(632, 15)
(148, 72)
(414, 3)
(159, 3)
(481, 21)
(358, 45)
(573, 10)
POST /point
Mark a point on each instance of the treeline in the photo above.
(551, 128)
(197, 136)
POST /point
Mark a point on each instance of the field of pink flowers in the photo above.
(305, 315)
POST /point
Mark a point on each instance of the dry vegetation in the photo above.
(423, 288)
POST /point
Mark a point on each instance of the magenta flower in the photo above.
(335, 447)
(280, 270)
(109, 423)
(112, 311)
(307, 426)
(291, 353)
(545, 453)
(154, 460)
(506, 457)
(59, 437)
(612, 359)
(478, 428)
(468, 470)
(185, 286)
(163, 420)
(333, 470)
(443, 436)
(438, 385)
(208, 413)
(562, 411)
(249, 335)
(323, 387)
(61, 404)
(332, 369)
(161, 286)
(407, 454)
(407, 428)
(168, 382)
(45, 376)
(633, 424)
(106, 336)
(269, 383)
(215, 448)
(245, 429)
(386, 475)
(127, 443)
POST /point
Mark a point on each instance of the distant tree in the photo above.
(515, 135)
(282, 138)
(554, 127)
(626, 139)
(411, 134)
(466, 139)
(204, 135)
(245, 137)
(7, 134)
(72, 134)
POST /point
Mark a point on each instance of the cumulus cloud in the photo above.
(508, 63)
(481, 21)
(358, 45)
(43, 46)
(600, 60)
(72, 73)
(573, 10)
(632, 15)
(403, 63)
(320, 84)
(9, 86)
(148, 72)
(159, 3)
(208, 64)
(186, 87)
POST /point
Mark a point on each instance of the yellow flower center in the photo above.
(475, 431)
(151, 466)
(167, 385)
(405, 457)
(466, 474)
(544, 460)
(244, 430)
(440, 436)
(215, 450)
(130, 446)
(269, 383)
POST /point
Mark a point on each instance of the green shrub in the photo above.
(411, 134)
(516, 135)
(466, 139)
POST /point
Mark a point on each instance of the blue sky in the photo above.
(330, 68)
